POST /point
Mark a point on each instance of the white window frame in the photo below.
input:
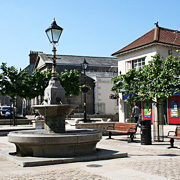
(138, 63)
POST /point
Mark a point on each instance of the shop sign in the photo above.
(147, 110)
(174, 109)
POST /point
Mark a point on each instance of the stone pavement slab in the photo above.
(100, 154)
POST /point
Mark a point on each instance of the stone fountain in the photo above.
(54, 140)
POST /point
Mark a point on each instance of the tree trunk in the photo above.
(158, 121)
(157, 106)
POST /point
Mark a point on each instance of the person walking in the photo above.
(135, 113)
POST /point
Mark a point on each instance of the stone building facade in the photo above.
(98, 75)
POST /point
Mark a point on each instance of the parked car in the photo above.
(6, 111)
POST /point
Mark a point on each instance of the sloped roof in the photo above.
(77, 60)
(156, 35)
(30, 68)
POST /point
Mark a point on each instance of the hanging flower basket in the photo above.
(113, 96)
(85, 88)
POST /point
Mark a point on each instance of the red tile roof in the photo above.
(156, 35)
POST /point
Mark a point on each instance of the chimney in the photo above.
(156, 32)
(33, 56)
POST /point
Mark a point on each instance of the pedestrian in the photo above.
(135, 113)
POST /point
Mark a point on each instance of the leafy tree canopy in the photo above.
(23, 84)
(35, 84)
(70, 80)
(157, 80)
(10, 80)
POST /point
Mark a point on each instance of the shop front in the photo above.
(171, 110)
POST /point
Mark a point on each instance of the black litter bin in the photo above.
(146, 132)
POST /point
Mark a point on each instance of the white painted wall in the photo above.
(125, 59)
(104, 105)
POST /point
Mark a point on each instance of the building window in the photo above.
(139, 63)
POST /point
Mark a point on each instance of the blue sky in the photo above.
(91, 27)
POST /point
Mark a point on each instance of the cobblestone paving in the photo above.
(168, 167)
(152, 160)
(70, 174)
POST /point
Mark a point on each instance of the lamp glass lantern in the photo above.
(54, 32)
(85, 64)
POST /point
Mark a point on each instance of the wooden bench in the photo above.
(123, 129)
(175, 136)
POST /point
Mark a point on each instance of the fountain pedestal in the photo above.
(54, 116)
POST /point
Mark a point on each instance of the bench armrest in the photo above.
(171, 132)
(107, 127)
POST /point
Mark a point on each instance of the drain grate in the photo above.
(94, 165)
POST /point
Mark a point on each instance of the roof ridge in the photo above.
(133, 41)
(82, 56)
(173, 30)
(157, 34)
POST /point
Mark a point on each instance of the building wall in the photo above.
(104, 105)
(125, 59)
(165, 50)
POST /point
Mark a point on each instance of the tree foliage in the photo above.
(157, 80)
(25, 85)
(128, 84)
(33, 85)
(10, 80)
(70, 80)
(10, 83)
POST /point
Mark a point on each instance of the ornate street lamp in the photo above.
(53, 33)
(54, 93)
(85, 65)
(85, 89)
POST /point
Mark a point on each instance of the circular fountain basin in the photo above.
(54, 110)
(40, 143)
(54, 116)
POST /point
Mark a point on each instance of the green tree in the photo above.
(70, 81)
(128, 84)
(33, 85)
(10, 83)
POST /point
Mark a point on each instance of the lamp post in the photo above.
(53, 33)
(85, 89)
(54, 93)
